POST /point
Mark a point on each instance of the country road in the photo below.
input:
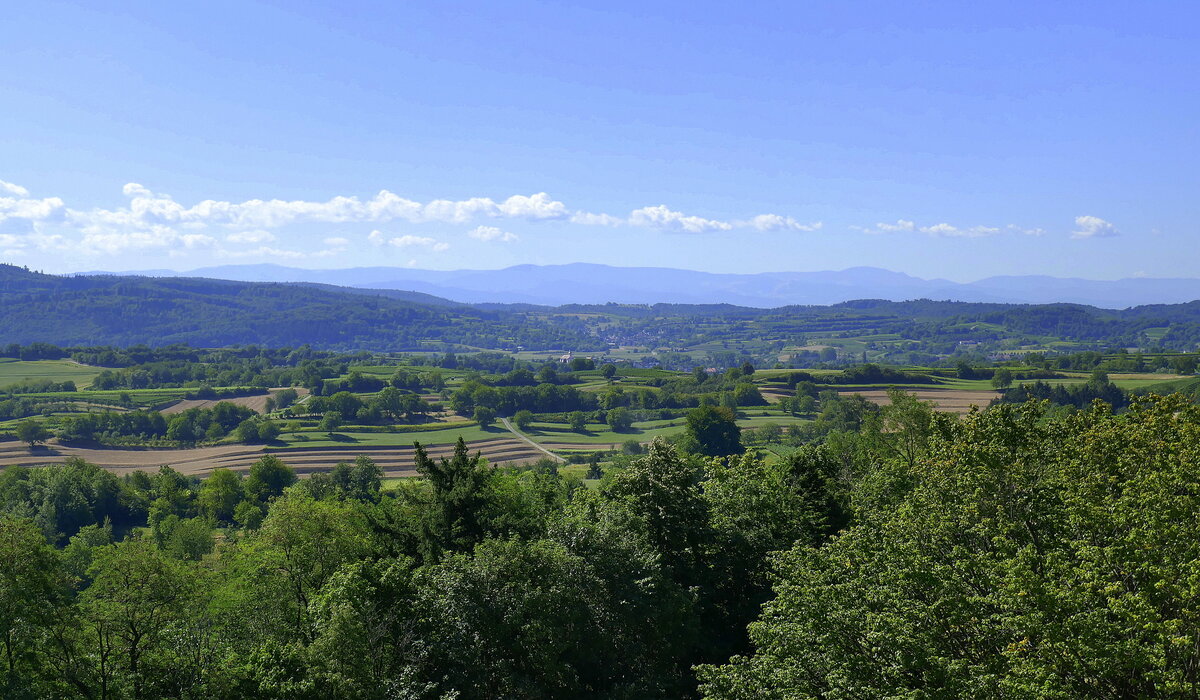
(522, 436)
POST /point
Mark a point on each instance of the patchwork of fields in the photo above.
(308, 449)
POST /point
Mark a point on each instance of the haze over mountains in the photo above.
(586, 283)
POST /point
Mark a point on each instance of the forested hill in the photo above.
(128, 310)
(123, 311)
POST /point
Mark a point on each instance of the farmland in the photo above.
(383, 403)
(13, 371)
(731, 430)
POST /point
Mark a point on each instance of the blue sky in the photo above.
(951, 140)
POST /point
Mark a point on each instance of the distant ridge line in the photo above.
(589, 283)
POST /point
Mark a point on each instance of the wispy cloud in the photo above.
(661, 217)
(407, 241)
(775, 222)
(900, 226)
(944, 230)
(948, 231)
(491, 233)
(256, 236)
(589, 219)
(10, 188)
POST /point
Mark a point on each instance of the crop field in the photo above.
(257, 403)
(1129, 381)
(947, 400)
(139, 398)
(21, 371)
(396, 460)
(556, 436)
(346, 438)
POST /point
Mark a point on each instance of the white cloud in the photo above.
(942, 230)
(196, 240)
(900, 226)
(14, 189)
(255, 236)
(663, 218)
(775, 222)
(1093, 227)
(538, 206)
(410, 241)
(590, 219)
(150, 208)
(448, 211)
(150, 220)
(33, 210)
(947, 231)
(491, 233)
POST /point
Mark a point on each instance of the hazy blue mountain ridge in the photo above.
(586, 283)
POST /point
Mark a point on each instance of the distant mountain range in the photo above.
(585, 283)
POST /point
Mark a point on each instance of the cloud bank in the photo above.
(150, 220)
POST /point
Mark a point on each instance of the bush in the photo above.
(484, 416)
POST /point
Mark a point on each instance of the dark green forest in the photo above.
(1016, 552)
(123, 311)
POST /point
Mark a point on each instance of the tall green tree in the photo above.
(522, 419)
(138, 603)
(32, 432)
(220, 494)
(268, 478)
(33, 595)
(713, 431)
(455, 518)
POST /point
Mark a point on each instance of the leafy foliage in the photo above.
(1024, 557)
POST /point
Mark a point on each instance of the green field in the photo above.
(352, 438)
(597, 434)
(20, 371)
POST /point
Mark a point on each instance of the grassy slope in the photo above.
(18, 371)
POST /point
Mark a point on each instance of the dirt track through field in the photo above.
(395, 460)
(521, 436)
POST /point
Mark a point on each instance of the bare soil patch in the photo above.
(948, 400)
(258, 404)
(774, 395)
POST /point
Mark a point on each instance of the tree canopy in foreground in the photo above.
(1020, 552)
(1020, 558)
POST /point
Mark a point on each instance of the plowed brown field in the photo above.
(395, 460)
(948, 400)
(258, 404)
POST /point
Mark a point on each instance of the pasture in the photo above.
(24, 371)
